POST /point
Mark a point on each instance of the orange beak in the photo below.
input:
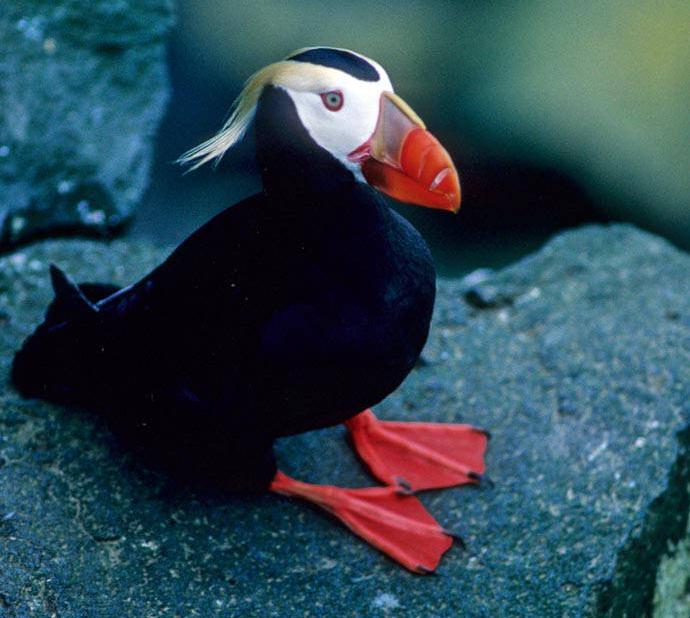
(403, 160)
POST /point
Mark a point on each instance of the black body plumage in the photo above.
(292, 310)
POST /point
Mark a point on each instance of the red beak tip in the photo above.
(452, 202)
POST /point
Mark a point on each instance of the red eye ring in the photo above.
(333, 100)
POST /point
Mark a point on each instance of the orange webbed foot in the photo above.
(419, 455)
(394, 522)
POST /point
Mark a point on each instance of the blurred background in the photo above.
(556, 113)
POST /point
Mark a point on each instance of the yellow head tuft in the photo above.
(298, 76)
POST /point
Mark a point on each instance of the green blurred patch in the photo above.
(602, 90)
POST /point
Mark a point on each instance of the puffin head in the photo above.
(341, 105)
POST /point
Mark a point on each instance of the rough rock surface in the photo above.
(83, 86)
(576, 358)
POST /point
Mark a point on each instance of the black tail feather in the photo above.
(49, 361)
(69, 299)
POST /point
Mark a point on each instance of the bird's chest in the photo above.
(388, 322)
(351, 338)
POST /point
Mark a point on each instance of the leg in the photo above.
(419, 455)
(394, 522)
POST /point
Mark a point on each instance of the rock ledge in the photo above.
(577, 359)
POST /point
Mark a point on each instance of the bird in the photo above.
(298, 308)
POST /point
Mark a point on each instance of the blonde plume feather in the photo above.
(295, 75)
(236, 125)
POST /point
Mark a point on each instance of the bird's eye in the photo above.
(333, 100)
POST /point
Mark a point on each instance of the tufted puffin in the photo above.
(298, 308)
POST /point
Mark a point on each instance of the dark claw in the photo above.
(455, 536)
(481, 479)
(485, 432)
(404, 492)
(424, 571)
(403, 487)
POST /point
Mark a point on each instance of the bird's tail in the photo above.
(53, 362)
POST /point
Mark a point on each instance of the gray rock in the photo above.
(581, 373)
(83, 86)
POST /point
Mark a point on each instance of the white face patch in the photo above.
(342, 131)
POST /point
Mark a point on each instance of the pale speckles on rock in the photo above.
(385, 601)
